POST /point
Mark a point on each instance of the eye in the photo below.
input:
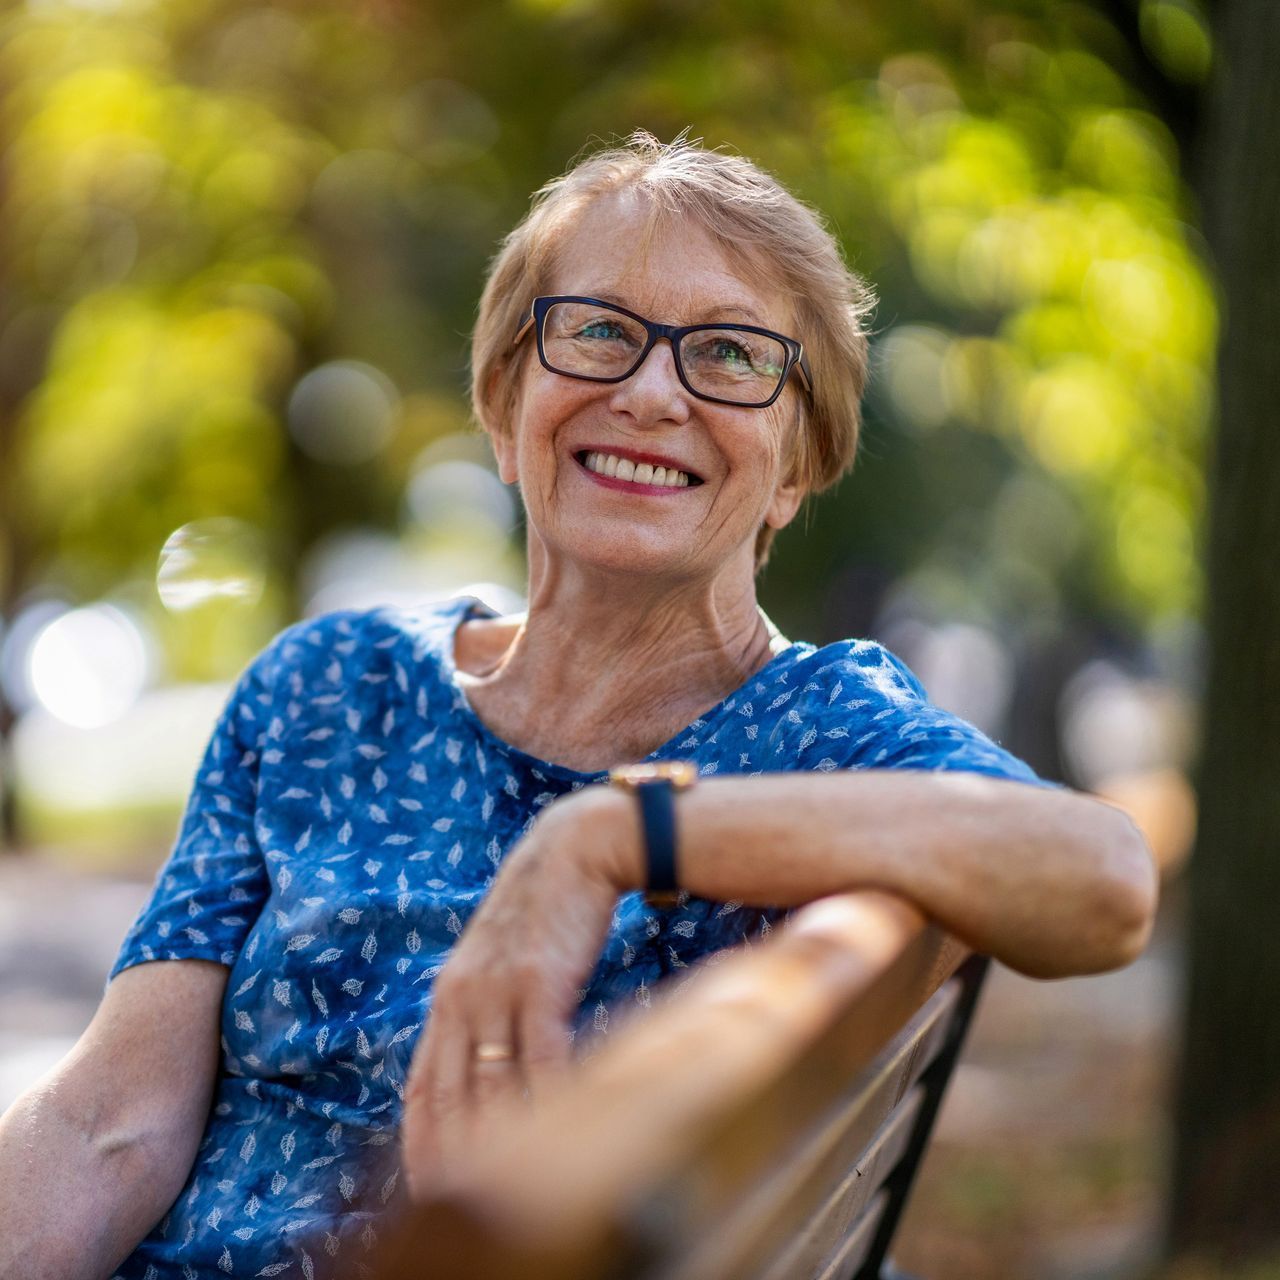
(603, 328)
(729, 351)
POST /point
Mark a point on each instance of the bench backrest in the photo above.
(763, 1121)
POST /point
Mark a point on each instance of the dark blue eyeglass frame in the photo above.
(674, 334)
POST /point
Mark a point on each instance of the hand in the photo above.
(512, 979)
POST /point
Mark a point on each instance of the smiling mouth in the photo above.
(639, 473)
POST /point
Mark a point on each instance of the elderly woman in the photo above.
(406, 876)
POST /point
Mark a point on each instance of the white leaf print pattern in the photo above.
(246, 985)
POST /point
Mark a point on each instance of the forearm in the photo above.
(76, 1197)
(1051, 883)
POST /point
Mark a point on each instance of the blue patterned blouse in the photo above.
(346, 820)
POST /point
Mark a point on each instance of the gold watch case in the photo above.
(682, 774)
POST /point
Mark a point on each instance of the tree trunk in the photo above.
(1227, 1158)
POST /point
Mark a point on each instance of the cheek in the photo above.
(542, 410)
(773, 443)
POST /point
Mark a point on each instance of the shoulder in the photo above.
(856, 675)
(869, 709)
(823, 702)
(363, 639)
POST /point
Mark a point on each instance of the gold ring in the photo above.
(494, 1051)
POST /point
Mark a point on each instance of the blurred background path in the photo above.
(59, 933)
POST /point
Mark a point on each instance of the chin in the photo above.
(632, 555)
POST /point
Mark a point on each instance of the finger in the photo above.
(495, 1081)
(444, 1084)
(545, 1050)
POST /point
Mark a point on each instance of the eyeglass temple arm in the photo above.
(802, 367)
(523, 329)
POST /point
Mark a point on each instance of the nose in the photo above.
(654, 392)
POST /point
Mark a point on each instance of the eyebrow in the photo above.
(725, 312)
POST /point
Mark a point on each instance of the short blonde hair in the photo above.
(738, 204)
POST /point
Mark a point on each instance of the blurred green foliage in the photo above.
(203, 201)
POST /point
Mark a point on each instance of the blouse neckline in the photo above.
(466, 607)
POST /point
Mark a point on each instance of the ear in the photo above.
(790, 491)
(501, 439)
(504, 451)
(784, 504)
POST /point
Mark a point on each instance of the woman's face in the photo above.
(733, 456)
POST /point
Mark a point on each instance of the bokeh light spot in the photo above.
(343, 412)
(216, 559)
(913, 359)
(88, 666)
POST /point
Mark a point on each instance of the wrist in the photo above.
(605, 835)
(654, 786)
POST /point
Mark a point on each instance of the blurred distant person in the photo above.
(429, 848)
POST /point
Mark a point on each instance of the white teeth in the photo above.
(643, 472)
(608, 464)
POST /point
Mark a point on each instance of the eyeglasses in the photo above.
(736, 364)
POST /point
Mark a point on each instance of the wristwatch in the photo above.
(654, 786)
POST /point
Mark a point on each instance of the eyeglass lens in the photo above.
(597, 342)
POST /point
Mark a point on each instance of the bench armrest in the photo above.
(685, 1109)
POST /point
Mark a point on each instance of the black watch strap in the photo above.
(658, 817)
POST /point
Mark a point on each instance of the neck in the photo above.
(607, 666)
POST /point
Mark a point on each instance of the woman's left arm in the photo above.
(1050, 882)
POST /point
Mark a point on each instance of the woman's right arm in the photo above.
(93, 1155)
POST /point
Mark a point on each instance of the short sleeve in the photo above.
(908, 732)
(211, 890)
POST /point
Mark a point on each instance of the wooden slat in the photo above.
(637, 1150)
(799, 1180)
(816, 1241)
(844, 1263)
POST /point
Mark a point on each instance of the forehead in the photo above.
(669, 269)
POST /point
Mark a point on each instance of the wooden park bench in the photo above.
(764, 1121)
